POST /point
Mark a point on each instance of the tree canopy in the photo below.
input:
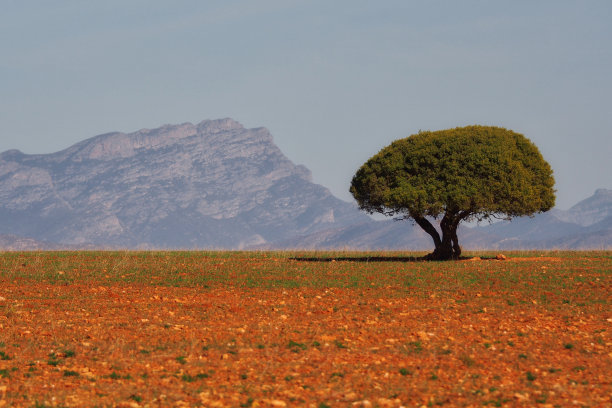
(472, 172)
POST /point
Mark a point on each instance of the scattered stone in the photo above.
(385, 402)
(500, 257)
(350, 396)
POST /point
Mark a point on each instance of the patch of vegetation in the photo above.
(136, 398)
(53, 362)
(415, 347)
(188, 378)
(115, 376)
(248, 403)
(405, 371)
(340, 345)
(295, 346)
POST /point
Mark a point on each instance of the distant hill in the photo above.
(587, 225)
(15, 243)
(590, 211)
(592, 229)
(210, 185)
(217, 185)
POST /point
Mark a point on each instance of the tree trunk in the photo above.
(447, 247)
(456, 247)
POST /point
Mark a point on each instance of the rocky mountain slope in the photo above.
(590, 211)
(210, 185)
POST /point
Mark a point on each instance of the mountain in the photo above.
(10, 242)
(590, 211)
(210, 185)
(587, 225)
(217, 185)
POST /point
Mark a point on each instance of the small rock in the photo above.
(500, 257)
(350, 396)
(423, 336)
(521, 397)
(384, 402)
(476, 258)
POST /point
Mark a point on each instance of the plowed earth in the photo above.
(262, 329)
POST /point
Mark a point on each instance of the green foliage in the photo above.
(480, 171)
(404, 371)
(296, 347)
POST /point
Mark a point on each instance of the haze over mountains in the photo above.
(217, 185)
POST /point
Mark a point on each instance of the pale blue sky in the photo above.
(334, 81)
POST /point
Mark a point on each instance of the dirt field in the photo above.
(264, 329)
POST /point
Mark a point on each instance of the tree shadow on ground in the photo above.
(361, 259)
(378, 259)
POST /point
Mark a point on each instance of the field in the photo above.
(248, 329)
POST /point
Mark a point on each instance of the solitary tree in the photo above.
(469, 173)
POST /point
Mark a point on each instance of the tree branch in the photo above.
(428, 228)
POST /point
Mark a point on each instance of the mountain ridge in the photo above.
(214, 185)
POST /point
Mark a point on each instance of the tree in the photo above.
(468, 173)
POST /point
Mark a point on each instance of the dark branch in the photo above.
(428, 228)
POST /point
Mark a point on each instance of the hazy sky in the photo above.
(334, 81)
